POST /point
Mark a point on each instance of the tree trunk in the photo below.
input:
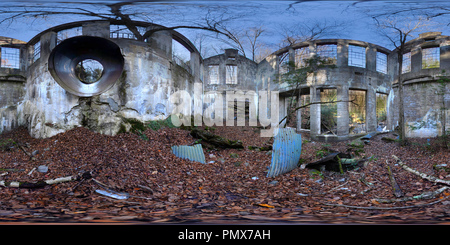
(401, 111)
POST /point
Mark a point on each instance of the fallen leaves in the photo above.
(266, 205)
(164, 188)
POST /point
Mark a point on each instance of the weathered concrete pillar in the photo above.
(371, 58)
(97, 29)
(283, 110)
(162, 40)
(222, 73)
(299, 113)
(48, 42)
(314, 112)
(445, 54)
(416, 59)
(195, 65)
(371, 109)
(342, 54)
(291, 56)
(342, 111)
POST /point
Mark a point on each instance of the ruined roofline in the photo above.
(236, 53)
(175, 35)
(6, 41)
(425, 40)
(331, 41)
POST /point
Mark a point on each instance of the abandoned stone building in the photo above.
(43, 89)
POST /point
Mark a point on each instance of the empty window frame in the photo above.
(10, 58)
(430, 58)
(283, 63)
(356, 56)
(406, 66)
(68, 33)
(231, 74)
(381, 101)
(305, 112)
(213, 71)
(357, 111)
(301, 55)
(36, 51)
(328, 51)
(122, 31)
(180, 51)
(381, 62)
(328, 111)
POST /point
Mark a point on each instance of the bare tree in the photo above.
(309, 30)
(253, 35)
(398, 30)
(262, 53)
(214, 20)
(246, 41)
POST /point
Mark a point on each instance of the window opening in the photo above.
(37, 51)
(181, 55)
(328, 112)
(430, 58)
(283, 64)
(381, 100)
(357, 111)
(231, 74)
(10, 57)
(328, 51)
(301, 55)
(381, 62)
(356, 56)
(213, 74)
(305, 112)
(122, 31)
(406, 67)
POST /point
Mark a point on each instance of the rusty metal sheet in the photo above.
(193, 153)
(286, 150)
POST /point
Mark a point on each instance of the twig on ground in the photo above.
(336, 187)
(395, 187)
(422, 175)
(39, 183)
(425, 195)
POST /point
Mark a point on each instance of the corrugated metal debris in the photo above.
(193, 153)
(286, 150)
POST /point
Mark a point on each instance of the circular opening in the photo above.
(89, 71)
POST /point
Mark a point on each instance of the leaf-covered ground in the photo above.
(230, 188)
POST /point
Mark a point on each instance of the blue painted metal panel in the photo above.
(193, 153)
(286, 150)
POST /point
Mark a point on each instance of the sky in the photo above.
(271, 15)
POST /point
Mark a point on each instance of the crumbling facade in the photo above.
(148, 78)
(426, 86)
(233, 75)
(46, 84)
(359, 72)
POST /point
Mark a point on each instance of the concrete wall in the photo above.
(426, 95)
(142, 92)
(246, 83)
(246, 72)
(11, 84)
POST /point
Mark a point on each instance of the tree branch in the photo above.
(313, 103)
(422, 175)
